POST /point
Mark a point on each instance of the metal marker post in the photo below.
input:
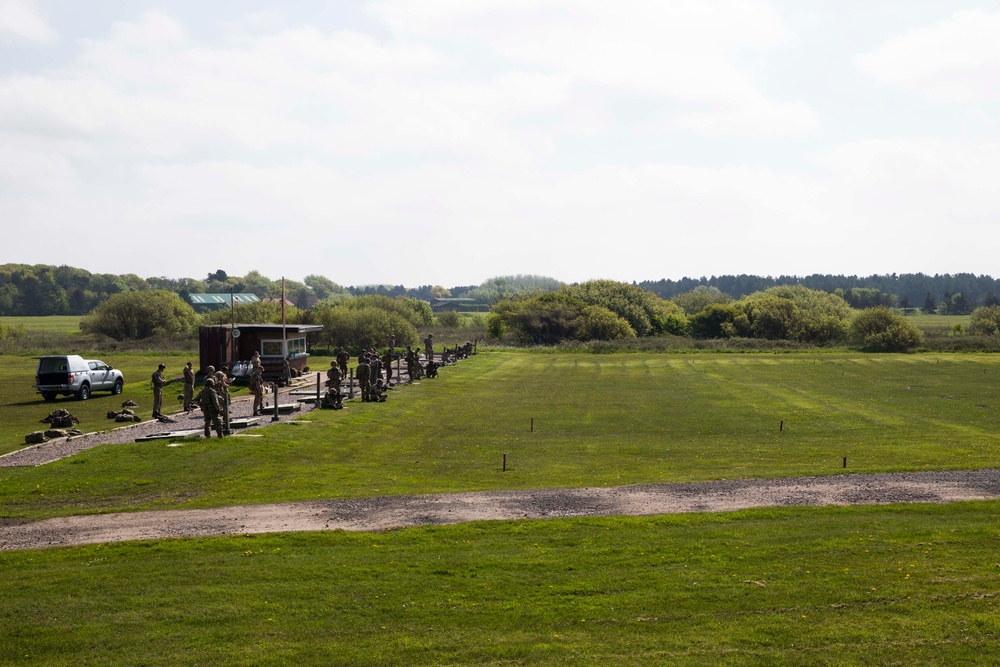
(274, 389)
(317, 390)
(350, 391)
(225, 416)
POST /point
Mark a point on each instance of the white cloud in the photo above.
(957, 60)
(506, 123)
(21, 20)
(685, 52)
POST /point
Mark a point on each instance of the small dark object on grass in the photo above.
(61, 419)
(34, 438)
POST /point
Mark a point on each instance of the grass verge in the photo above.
(913, 584)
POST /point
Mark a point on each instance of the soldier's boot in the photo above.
(219, 432)
(208, 433)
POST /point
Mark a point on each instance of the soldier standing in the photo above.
(211, 407)
(333, 380)
(363, 373)
(376, 363)
(189, 387)
(387, 364)
(429, 345)
(158, 383)
(256, 385)
(342, 359)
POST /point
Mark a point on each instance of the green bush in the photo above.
(793, 312)
(700, 298)
(449, 319)
(599, 323)
(985, 321)
(882, 330)
(139, 315)
(416, 311)
(718, 320)
(356, 328)
(260, 312)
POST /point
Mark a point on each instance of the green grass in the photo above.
(65, 324)
(599, 420)
(913, 584)
(910, 584)
(23, 409)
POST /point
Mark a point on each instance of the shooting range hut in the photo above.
(234, 343)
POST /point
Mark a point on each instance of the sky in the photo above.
(447, 142)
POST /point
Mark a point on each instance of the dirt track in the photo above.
(380, 513)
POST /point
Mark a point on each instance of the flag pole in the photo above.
(284, 334)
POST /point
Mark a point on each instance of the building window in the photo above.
(272, 348)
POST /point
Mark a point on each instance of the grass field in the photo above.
(912, 584)
(66, 324)
(599, 420)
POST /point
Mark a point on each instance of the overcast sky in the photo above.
(449, 141)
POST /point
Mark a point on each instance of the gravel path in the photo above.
(381, 513)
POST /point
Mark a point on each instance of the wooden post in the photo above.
(532, 424)
(505, 463)
(845, 461)
(317, 389)
(781, 425)
(350, 391)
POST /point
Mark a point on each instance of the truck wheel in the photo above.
(84, 393)
(117, 389)
(49, 396)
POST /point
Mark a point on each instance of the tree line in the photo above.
(952, 294)
(63, 290)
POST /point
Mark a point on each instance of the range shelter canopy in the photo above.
(222, 299)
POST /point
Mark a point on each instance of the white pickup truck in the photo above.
(71, 374)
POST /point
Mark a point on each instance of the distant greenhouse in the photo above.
(222, 300)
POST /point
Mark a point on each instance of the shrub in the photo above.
(882, 330)
(985, 321)
(716, 321)
(599, 323)
(260, 312)
(356, 328)
(794, 312)
(416, 311)
(449, 319)
(700, 298)
(139, 315)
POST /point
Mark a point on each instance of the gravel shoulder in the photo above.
(382, 513)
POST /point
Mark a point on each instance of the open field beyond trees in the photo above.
(885, 585)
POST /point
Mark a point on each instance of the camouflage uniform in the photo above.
(429, 344)
(387, 364)
(211, 408)
(158, 382)
(342, 359)
(363, 373)
(188, 387)
(333, 380)
(256, 385)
